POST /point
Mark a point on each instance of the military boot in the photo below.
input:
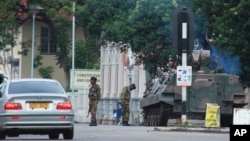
(92, 122)
(125, 123)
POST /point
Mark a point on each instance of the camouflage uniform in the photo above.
(124, 101)
(94, 97)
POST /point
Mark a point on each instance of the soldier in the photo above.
(94, 97)
(124, 101)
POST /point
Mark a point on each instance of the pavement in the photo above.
(192, 126)
(194, 129)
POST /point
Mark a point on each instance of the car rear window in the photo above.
(34, 87)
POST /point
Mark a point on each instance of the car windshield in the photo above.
(34, 87)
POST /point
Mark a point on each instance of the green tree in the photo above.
(57, 15)
(229, 24)
(46, 72)
(101, 20)
(151, 23)
(63, 48)
(8, 25)
(84, 56)
(143, 23)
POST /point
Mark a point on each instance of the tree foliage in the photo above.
(46, 72)
(84, 56)
(55, 14)
(62, 40)
(102, 20)
(151, 21)
(8, 22)
(145, 24)
(229, 25)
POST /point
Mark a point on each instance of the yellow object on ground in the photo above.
(212, 115)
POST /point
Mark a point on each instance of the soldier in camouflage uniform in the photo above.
(124, 102)
(94, 97)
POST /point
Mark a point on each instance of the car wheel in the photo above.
(68, 134)
(54, 136)
(2, 135)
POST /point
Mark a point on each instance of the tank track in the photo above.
(157, 115)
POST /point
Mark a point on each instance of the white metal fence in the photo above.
(105, 113)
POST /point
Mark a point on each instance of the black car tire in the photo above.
(54, 136)
(68, 134)
(2, 135)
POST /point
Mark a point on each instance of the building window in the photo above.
(47, 44)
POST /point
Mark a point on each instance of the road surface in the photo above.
(132, 133)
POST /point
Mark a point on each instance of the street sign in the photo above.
(82, 78)
(184, 76)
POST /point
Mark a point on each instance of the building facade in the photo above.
(14, 65)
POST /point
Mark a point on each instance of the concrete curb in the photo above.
(193, 129)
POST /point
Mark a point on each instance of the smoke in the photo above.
(229, 63)
(220, 58)
(200, 25)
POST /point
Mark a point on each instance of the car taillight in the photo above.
(66, 105)
(12, 106)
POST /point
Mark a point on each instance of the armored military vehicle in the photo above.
(162, 99)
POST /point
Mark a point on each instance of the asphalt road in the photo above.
(132, 133)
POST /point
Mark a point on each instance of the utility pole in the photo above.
(73, 48)
(183, 45)
(33, 9)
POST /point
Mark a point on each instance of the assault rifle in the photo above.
(89, 110)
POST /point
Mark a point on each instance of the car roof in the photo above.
(32, 79)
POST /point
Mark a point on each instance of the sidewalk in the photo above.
(194, 129)
(193, 126)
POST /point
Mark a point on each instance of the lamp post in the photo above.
(73, 46)
(33, 9)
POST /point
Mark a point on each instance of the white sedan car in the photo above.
(35, 106)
